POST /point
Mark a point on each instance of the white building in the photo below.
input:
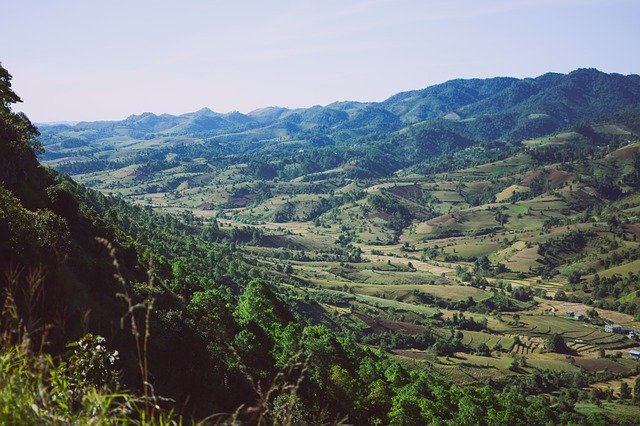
(612, 328)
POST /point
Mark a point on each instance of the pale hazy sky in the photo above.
(90, 60)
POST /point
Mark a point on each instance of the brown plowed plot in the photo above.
(529, 177)
(523, 260)
(634, 229)
(558, 176)
(562, 307)
(530, 253)
(624, 152)
(379, 215)
(410, 192)
(439, 220)
(591, 365)
(240, 200)
(201, 179)
(378, 325)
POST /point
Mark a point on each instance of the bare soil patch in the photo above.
(378, 325)
(562, 307)
(601, 364)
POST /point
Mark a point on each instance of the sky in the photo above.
(89, 60)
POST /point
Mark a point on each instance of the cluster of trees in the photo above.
(399, 215)
(459, 321)
(556, 343)
(468, 157)
(556, 250)
(619, 257)
(615, 285)
(606, 293)
(323, 205)
(392, 340)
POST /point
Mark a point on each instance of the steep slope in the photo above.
(57, 276)
(439, 100)
(580, 95)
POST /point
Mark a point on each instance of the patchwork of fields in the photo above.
(488, 258)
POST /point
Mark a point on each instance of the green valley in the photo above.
(450, 253)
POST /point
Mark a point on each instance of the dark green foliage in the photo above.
(437, 139)
(523, 294)
(560, 295)
(398, 215)
(19, 170)
(625, 391)
(556, 343)
(483, 350)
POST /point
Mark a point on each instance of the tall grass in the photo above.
(140, 329)
(36, 388)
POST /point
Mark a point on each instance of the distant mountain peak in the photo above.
(203, 112)
(136, 117)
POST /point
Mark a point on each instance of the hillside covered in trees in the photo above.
(404, 262)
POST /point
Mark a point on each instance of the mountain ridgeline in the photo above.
(402, 131)
(552, 101)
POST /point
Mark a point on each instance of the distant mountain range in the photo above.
(494, 108)
(56, 123)
(372, 139)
